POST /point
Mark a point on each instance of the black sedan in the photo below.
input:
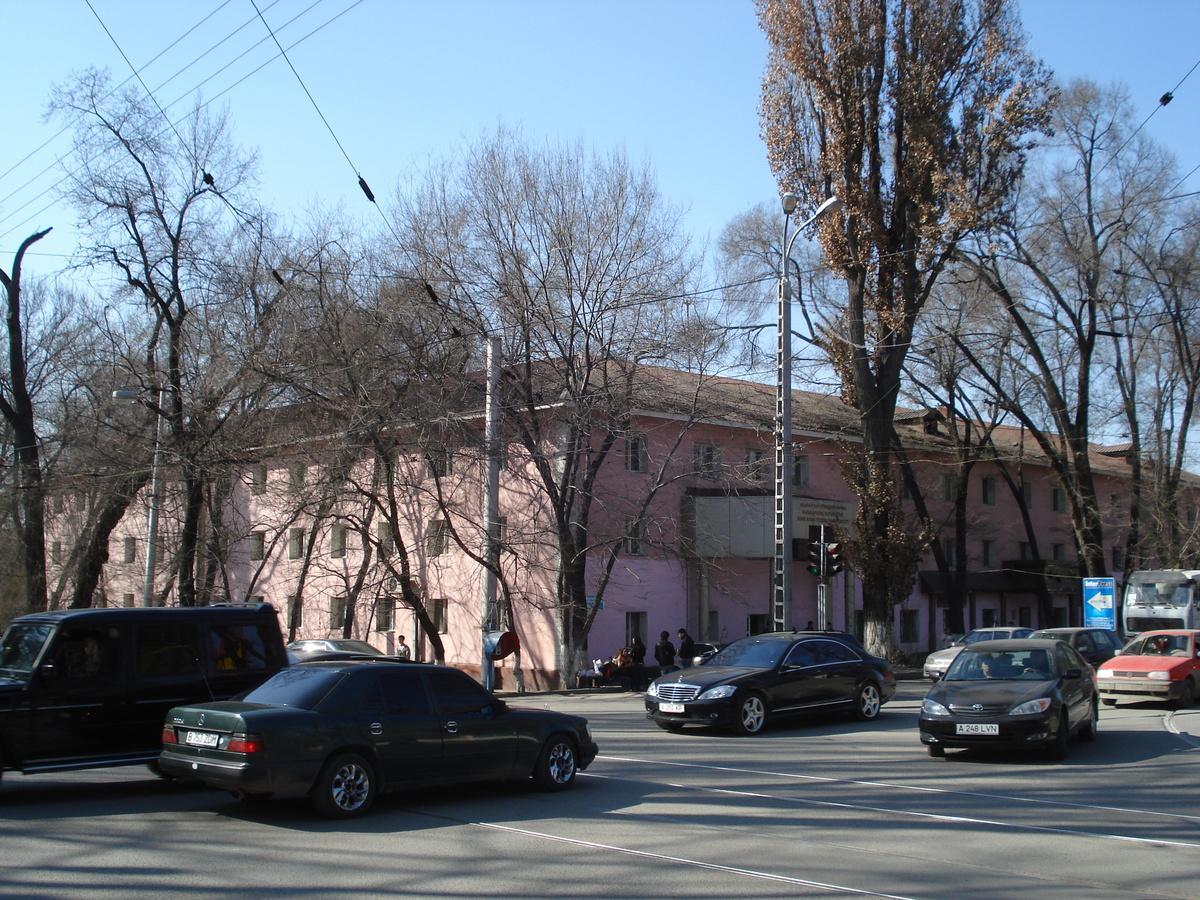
(1096, 645)
(773, 675)
(1014, 694)
(325, 648)
(342, 731)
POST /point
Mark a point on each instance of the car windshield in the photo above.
(302, 687)
(21, 645)
(750, 652)
(1159, 645)
(1034, 664)
(1170, 592)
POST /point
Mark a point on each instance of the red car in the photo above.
(1157, 665)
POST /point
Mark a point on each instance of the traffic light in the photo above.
(816, 557)
(833, 559)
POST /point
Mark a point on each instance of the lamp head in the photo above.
(789, 203)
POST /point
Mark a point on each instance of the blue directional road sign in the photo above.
(1099, 608)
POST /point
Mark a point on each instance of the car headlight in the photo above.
(933, 708)
(716, 693)
(1105, 673)
(652, 691)
(1031, 707)
(1159, 676)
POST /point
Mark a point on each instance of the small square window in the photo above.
(800, 471)
(130, 550)
(258, 545)
(439, 461)
(383, 536)
(439, 613)
(635, 454)
(1058, 502)
(385, 613)
(756, 465)
(297, 475)
(337, 542)
(635, 536)
(988, 554)
(988, 487)
(296, 543)
(707, 460)
(437, 538)
(337, 612)
(258, 480)
(949, 486)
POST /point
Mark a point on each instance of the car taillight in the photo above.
(243, 743)
(169, 735)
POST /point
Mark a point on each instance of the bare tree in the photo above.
(16, 404)
(1054, 278)
(578, 266)
(916, 115)
(161, 202)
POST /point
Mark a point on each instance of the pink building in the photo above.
(680, 530)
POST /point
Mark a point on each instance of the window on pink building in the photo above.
(635, 454)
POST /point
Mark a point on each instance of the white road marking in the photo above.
(700, 864)
(901, 787)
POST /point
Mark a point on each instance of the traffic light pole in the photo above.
(823, 586)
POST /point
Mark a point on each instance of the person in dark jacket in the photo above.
(664, 652)
(637, 650)
(687, 648)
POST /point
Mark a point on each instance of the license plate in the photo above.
(976, 728)
(201, 739)
(670, 707)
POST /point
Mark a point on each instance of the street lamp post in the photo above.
(128, 396)
(781, 581)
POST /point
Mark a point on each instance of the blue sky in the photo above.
(401, 81)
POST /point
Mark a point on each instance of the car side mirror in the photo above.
(1073, 673)
(937, 676)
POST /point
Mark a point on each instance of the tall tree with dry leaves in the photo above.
(917, 115)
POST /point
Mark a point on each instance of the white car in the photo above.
(938, 662)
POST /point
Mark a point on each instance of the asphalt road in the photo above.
(821, 809)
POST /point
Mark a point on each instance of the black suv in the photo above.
(84, 688)
(773, 675)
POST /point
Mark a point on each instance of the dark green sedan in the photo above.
(342, 731)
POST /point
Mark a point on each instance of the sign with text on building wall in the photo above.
(1099, 607)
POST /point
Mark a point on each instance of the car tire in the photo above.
(867, 701)
(345, 788)
(557, 764)
(1058, 749)
(751, 715)
(1187, 698)
(1087, 731)
(937, 751)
